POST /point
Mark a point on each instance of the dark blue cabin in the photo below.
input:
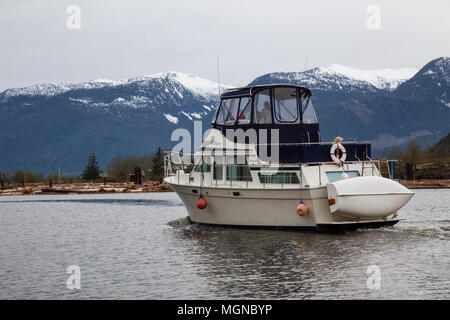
(287, 108)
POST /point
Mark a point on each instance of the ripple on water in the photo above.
(144, 246)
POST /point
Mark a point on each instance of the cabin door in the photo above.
(218, 169)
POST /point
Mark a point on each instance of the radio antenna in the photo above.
(306, 63)
(218, 74)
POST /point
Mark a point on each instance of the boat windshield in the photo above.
(285, 105)
(263, 110)
(308, 112)
(245, 109)
(232, 109)
(227, 112)
(276, 105)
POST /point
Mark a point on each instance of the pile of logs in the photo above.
(82, 188)
(426, 184)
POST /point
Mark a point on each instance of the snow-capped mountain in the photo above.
(387, 106)
(47, 125)
(432, 82)
(387, 79)
(417, 109)
(337, 77)
(59, 122)
(173, 94)
(197, 85)
(52, 89)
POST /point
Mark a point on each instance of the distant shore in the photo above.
(84, 188)
(129, 187)
(426, 184)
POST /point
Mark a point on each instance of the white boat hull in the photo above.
(265, 208)
(249, 208)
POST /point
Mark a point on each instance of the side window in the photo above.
(285, 104)
(337, 175)
(263, 110)
(279, 177)
(214, 118)
(231, 107)
(308, 112)
(236, 171)
(203, 165)
(245, 109)
(220, 113)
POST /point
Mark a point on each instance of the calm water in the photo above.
(141, 246)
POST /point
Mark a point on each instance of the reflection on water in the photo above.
(144, 246)
(280, 264)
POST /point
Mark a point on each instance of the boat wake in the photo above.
(438, 229)
(180, 222)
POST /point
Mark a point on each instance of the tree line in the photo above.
(414, 162)
(152, 166)
(118, 169)
(428, 162)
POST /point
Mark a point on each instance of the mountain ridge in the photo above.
(197, 84)
(380, 78)
(137, 115)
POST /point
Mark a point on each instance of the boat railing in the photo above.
(174, 161)
(184, 166)
(321, 143)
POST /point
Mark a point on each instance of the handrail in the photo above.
(186, 160)
(308, 143)
(267, 170)
(200, 154)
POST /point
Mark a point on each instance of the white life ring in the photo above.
(333, 150)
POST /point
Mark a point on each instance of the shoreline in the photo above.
(84, 188)
(426, 184)
(152, 186)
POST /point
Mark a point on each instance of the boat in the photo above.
(263, 165)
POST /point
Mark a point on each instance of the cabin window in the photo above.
(220, 113)
(231, 107)
(236, 171)
(285, 104)
(214, 118)
(245, 109)
(203, 165)
(279, 177)
(308, 113)
(337, 175)
(263, 109)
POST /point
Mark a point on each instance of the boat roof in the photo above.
(251, 90)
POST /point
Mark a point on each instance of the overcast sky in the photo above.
(123, 39)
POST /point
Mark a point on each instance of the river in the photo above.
(141, 246)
